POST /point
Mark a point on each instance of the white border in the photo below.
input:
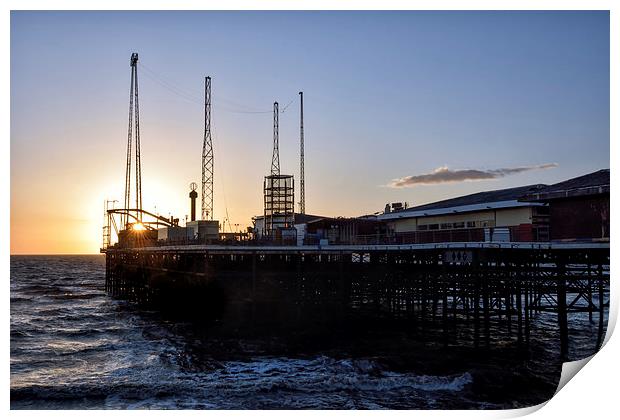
(590, 395)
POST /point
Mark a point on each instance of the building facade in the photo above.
(486, 216)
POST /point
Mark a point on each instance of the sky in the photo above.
(398, 106)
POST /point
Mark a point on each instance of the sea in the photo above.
(74, 347)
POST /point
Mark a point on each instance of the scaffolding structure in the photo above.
(279, 199)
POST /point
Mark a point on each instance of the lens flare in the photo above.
(138, 226)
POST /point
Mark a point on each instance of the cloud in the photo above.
(443, 175)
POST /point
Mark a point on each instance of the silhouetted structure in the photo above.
(458, 291)
(344, 230)
(133, 135)
(302, 178)
(207, 158)
(279, 204)
(278, 195)
(193, 195)
(578, 207)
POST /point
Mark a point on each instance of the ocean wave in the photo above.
(72, 296)
(330, 375)
(15, 333)
(77, 395)
(21, 299)
(74, 347)
(67, 347)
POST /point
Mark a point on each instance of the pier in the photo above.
(458, 290)
(475, 269)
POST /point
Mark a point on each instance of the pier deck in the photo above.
(460, 289)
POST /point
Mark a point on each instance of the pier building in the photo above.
(497, 215)
(578, 208)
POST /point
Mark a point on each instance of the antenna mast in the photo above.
(275, 159)
(133, 134)
(207, 158)
(302, 194)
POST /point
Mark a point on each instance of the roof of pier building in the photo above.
(299, 218)
(481, 201)
(594, 183)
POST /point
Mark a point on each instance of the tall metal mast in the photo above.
(137, 139)
(207, 158)
(302, 194)
(133, 132)
(275, 159)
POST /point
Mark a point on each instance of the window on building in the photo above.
(422, 227)
(446, 225)
(434, 226)
(458, 225)
(471, 224)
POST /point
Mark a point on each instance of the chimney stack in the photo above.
(193, 195)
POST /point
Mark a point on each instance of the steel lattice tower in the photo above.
(302, 193)
(207, 158)
(133, 134)
(275, 159)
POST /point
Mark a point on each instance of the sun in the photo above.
(138, 226)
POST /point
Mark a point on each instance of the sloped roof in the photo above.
(589, 184)
(299, 218)
(305, 218)
(506, 198)
(507, 194)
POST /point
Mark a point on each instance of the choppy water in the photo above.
(74, 347)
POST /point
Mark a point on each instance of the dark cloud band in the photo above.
(444, 174)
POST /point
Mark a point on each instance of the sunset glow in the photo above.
(138, 226)
(334, 210)
(524, 101)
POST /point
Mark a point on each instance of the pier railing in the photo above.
(472, 235)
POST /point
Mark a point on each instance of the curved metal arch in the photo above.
(136, 214)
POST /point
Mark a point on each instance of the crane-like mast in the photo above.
(133, 135)
(302, 187)
(275, 158)
(207, 158)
